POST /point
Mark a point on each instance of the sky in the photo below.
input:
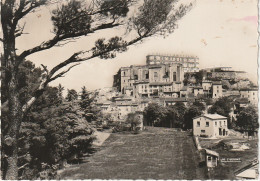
(219, 32)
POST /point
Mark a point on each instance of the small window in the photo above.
(174, 76)
(155, 74)
(207, 124)
(224, 122)
(216, 123)
(202, 131)
(198, 124)
(209, 158)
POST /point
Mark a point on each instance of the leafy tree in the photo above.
(60, 90)
(191, 113)
(85, 99)
(199, 105)
(171, 117)
(223, 107)
(87, 105)
(134, 119)
(72, 19)
(72, 95)
(154, 114)
(247, 119)
(181, 109)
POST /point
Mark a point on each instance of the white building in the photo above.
(210, 125)
(251, 94)
(216, 90)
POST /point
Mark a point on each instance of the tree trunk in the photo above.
(13, 121)
(11, 138)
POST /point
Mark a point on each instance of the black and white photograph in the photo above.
(129, 89)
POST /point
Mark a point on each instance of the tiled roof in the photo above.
(212, 116)
(160, 83)
(250, 89)
(211, 152)
(242, 100)
(217, 83)
(180, 99)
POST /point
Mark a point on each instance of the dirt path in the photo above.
(158, 153)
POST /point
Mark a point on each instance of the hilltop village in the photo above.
(217, 106)
(167, 80)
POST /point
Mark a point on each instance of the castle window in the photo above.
(155, 74)
(147, 76)
(174, 76)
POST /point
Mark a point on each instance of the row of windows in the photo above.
(174, 59)
(207, 123)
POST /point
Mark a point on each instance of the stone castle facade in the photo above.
(162, 76)
(189, 63)
(161, 80)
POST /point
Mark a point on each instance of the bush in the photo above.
(121, 128)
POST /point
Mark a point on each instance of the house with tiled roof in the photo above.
(210, 125)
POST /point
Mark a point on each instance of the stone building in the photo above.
(210, 125)
(251, 94)
(217, 90)
(224, 73)
(162, 80)
(190, 63)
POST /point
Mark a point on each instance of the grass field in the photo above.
(157, 153)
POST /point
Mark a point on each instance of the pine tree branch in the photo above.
(58, 38)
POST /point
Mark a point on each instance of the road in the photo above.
(157, 153)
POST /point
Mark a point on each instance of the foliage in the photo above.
(91, 112)
(171, 116)
(55, 134)
(72, 95)
(223, 107)
(199, 105)
(121, 127)
(153, 114)
(191, 113)
(247, 119)
(134, 119)
(181, 109)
